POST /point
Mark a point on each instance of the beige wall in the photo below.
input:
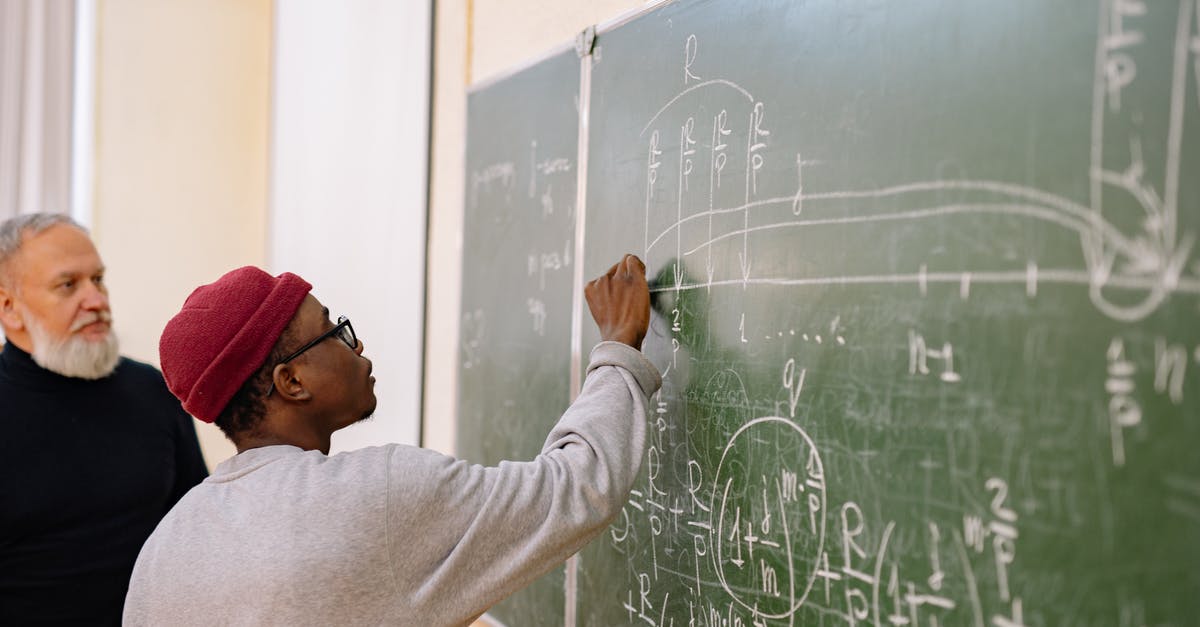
(182, 126)
(474, 40)
(182, 103)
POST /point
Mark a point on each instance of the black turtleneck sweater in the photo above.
(87, 469)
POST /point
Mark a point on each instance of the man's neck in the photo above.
(19, 339)
(259, 439)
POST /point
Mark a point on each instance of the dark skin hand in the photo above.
(620, 302)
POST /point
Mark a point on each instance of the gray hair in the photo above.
(13, 231)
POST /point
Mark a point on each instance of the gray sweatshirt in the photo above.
(394, 535)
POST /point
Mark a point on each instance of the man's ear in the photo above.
(8, 310)
(288, 383)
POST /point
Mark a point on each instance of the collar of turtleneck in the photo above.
(19, 367)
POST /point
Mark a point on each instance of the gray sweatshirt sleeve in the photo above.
(461, 537)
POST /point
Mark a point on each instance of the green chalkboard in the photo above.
(518, 268)
(926, 299)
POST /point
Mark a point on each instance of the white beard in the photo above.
(74, 356)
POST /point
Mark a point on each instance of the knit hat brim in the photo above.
(224, 334)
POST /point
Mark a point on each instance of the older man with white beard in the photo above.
(93, 448)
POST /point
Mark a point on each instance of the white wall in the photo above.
(348, 183)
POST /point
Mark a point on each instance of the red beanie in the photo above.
(224, 333)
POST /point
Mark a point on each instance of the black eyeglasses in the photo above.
(342, 331)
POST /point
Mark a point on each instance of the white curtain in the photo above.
(36, 51)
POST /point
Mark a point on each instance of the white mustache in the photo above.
(90, 317)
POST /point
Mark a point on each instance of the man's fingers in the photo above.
(633, 265)
(640, 264)
(629, 264)
(613, 270)
(618, 302)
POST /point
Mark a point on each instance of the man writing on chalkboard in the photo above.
(284, 534)
(94, 451)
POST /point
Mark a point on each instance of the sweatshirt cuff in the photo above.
(624, 356)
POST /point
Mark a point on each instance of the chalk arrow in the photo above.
(1177, 262)
(1092, 250)
(710, 270)
(742, 258)
(678, 270)
(1144, 257)
(794, 392)
(1102, 269)
(1099, 260)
